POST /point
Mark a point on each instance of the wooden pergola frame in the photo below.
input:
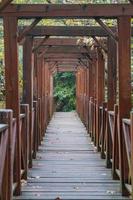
(38, 73)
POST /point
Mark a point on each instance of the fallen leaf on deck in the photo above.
(37, 177)
(110, 192)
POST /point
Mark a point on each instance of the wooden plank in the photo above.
(124, 77)
(69, 173)
(12, 82)
(68, 11)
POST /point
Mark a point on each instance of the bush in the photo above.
(64, 91)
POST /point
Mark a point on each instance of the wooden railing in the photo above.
(6, 155)
(5, 189)
(109, 141)
(127, 139)
(14, 167)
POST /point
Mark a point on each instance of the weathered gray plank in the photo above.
(68, 166)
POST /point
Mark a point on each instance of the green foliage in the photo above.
(64, 91)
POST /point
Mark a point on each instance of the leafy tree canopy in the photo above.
(64, 91)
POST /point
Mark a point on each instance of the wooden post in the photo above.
(12, 83)
(124, 76)
(39, 89)
(99, 91)
(28, 88)
(90, 95)
(25, 137)
(36, 98)
(111, 91)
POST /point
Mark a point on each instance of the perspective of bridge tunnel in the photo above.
(84, 154)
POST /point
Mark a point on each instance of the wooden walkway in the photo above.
(68, 166)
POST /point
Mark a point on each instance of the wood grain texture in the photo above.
(68, 10)
(67, 165)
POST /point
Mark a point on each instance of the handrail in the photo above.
(3, 127)
(108, 129)
(5, 152)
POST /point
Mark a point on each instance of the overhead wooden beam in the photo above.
(39, 44)
(64, 56)
(107, 29)
(63, 60)
(68, 10)
(57, 42)
(4, 4)
(28, 29)
(68, 63)
(66, 69)
(44, 51)
(67, 66)
(64, 49)
(67, 31)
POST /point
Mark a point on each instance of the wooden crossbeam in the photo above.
(68, 66)
(63, 49)
(28, 29)
(67, 31)
(44, 51)
(68, 63)
(68, 10)
(107, 29)
(4, 4)
(62, 60)
(66, 69)
(64, 56)
(58, 42)
(39, 44)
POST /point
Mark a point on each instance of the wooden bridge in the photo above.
(72, 160)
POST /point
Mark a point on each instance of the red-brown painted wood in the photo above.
(12, 82)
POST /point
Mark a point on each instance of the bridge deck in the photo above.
(68, 166)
